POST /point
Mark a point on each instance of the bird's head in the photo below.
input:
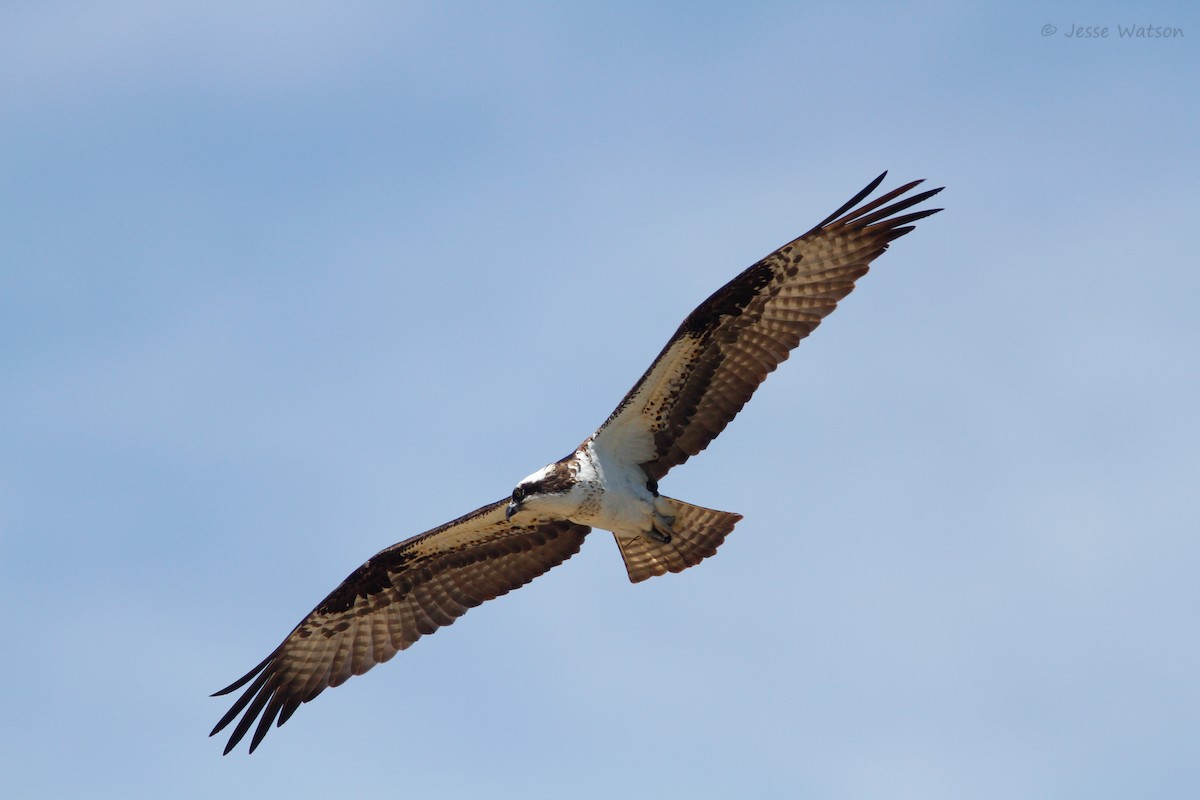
(546, 494)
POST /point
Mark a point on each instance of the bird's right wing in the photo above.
(408, 590)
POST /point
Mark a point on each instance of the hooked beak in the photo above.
(512, 509)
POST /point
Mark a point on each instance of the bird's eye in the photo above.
(518, 494)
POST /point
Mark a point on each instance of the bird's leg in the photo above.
(661, 523)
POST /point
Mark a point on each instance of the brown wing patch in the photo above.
(406, 591)
(726, 348)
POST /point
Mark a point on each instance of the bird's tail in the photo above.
(696, 533)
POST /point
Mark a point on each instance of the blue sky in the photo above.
(281, 284)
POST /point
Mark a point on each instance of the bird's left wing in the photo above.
(734, 339)
(408, 590)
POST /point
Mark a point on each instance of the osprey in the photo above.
(696, 385)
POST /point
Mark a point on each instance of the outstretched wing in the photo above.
(408, 590)
(734, 339)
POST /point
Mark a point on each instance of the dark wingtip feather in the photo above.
(257, 692)
(882, 215)
(242, 681)
(262, 696)
(853, 201)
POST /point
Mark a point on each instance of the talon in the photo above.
(661, 529)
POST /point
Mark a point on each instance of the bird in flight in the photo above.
(697, 384)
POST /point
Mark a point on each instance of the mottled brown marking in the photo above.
(728, 301)
(560, 479)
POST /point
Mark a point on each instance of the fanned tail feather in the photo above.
(695, 535)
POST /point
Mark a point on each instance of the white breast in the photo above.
(625, 504)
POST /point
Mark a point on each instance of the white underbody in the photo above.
(609, 492)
